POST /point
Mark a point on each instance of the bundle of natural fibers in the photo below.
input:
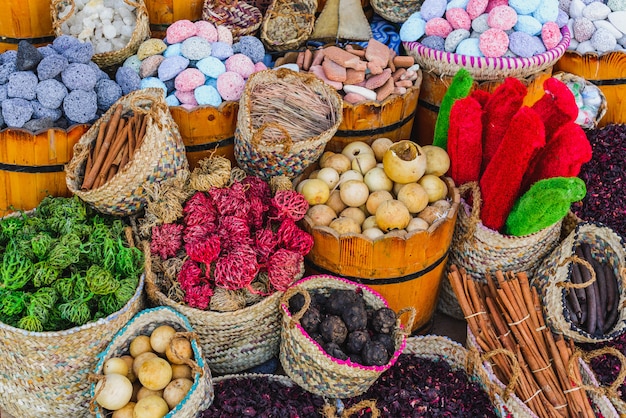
(62, 10)
(309, 365)
(200, 394)
(159, 154)
(242, 18)
(287, 24)
(285, 119)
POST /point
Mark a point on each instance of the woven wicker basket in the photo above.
(108, 59)
(287, 24)
(46, 373)
(161, 155)
(556, 270)
(268, 159)
(482, 68)
(397, 11)
(307, 363)
(231, 341)
(481, 250)
(569, 78)
(240, 17)
(200, 394)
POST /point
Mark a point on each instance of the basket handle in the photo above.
(608, 391)
(54, 8)
(132, 3)
(475, 359)
(474, 219)
(289, 293)
(570, 285)
(188, 336)
(409, 323)
(257, 136)
(156, 103)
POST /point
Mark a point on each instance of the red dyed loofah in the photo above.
(265, 242)
(204, 251)
(291, 237)
(199, 296)
(556, 107)
(257, 214)
(283, 268)
(257, 187)
(166, 240)
(234, 231)
(195, 233)
(465, 140)
(199, 210)
(236, 269)
(190, 275)
(231, 200)
(288, 204)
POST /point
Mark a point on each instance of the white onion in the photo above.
(315, 191)
(355, 213)
(339, 162)
(369, 222)
(114, 391)
(437, 160)
(417, 224)
(334, 201)
(363, 163)
(350, 175)
(345, 226)
(375, 199)
(392, 214)
(321, 215)
(414, 197)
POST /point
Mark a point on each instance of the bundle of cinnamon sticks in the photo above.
(117, 140)
(505, 314)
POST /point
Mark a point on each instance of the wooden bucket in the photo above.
(393, 118)
(434, 87)
(163, 13)
(405, 270)
(207, 130)
(28, 20)
(608, 72)
(32, 165)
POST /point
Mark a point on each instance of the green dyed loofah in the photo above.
(459, 88)
(544, 204)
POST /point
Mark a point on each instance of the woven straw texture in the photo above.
(108, 59)
(305, 362)
(268, 159)
(287, 24)
(240, 17)
(200, 394)
(481, 250)
(482, 68)
(231, 341)
(396, 10)
(46, 373)
(556, 269)
(160, 156)
(435, 347)
(513, 404)
(573, 78)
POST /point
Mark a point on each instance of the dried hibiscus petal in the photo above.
(190, 275)
(265, 242)
(199, 296)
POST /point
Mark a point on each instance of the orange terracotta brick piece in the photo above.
(354, 77)
(318, 71)
(318, 57)
(334, 71)
(374, 68)
(344, 58)
(403, 61)
(385, 91)
(377, 52)
(404, 83)
(376, 81)
(398, 73)
(308, 59)
(353, 98)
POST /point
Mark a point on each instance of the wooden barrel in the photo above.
(28, 20)
(163, 13)
(207, 130)
(392, 118)
(608, 72)
(32, 165)
(434, 87)
(405, 270)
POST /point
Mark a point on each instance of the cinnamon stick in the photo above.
(97, 165)
(95, 149)
(114, 149)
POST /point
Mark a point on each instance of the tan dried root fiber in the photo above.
(213, 171)
(260, 288)
(236, 174)
(165, 202)
(224, 300)
(281, 182)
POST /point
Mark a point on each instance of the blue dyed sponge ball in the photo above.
(433, 8)
(51, 66)
(207, 95)
(171, 67)
(528, 24)
(153, 82)
(47, 50)
(9, 56)
(211, 67)
(16, 112)
(434, 42)
(128, 79)
(40, 124)
(4, 94)
(81, 53)
(221, 50)
(51, 93)
(173, 50)
(524, 7)
(79, 77)
(22, 84)
(100, 75)
(80, 106)
(107, 92)
(250, 46)
(548, 11)
(525, 45)
(133, 62)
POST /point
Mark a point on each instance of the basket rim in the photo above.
(533, 63)
(40, 131)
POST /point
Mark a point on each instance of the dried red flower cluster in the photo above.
(229, 235)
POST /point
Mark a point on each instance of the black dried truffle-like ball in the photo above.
(387, 340)
(374, 354)
(333, 329)
(339, 299)
(356, 358)
(311, 320)
(333, 349)
(296, 302)
(356, 341)
(384, 321)
(355, 317)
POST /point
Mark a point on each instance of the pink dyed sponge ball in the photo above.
(206, 30)
(438, 26)
(230, 85)
(189, 79)
(180, 30)
(502, 17)
(240, 64)
(493, 42)
(458, 18)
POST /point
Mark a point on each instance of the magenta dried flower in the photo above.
(204, 251)
(199, 210)
(291, 237)
(166, 240)
(197, 233)
(257, 213)
(199, 296)
(283, 267)
(288, 204)
(257, 187)
(190, 275)
(236, 269)
(265, 242)
(234, 231)
(231, 200)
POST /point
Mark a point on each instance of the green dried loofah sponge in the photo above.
(459, 88)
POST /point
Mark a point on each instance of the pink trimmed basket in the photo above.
(306, 362)
(484, 68)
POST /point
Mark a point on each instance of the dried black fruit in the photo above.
(332, 349)
(333, 329)
(355, 317)
(384, 320)
(387, 340)
(339, 299)
(374, 353)
(311, 320)
(296, 302)
(318, 339)
(356, 341)
(356, 358)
